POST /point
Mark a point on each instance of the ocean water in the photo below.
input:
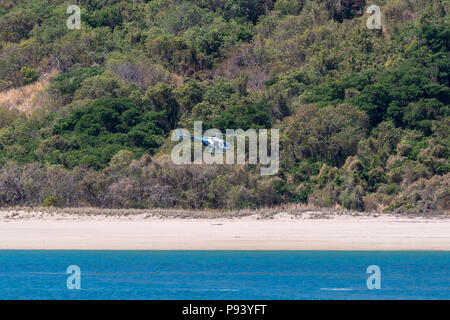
(227, 275)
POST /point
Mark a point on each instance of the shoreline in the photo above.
(309, 230)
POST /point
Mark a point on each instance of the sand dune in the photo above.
(281, 232)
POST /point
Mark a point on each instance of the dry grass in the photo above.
(291, 210)
(288, 211)
(23, 98)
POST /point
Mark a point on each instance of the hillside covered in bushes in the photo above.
(364, 115)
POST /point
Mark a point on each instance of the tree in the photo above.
(188, 95)
(330, 134)
(161, 97)
(244, 117)
(17, 24)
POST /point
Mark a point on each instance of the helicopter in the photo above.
(216, 145)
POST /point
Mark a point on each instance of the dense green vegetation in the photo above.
(364, 115)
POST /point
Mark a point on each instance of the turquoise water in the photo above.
(223, 275)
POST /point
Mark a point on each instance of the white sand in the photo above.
(249, 233)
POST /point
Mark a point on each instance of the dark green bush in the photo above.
(29, 75)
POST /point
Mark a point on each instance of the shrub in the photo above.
(50, 201)
(244, 117)
(107, 126)
(29, 75)
(3, 85)
(289, 6)
(69, 82)
(121, 159)
(325, 198)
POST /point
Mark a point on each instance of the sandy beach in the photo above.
(281, 231)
